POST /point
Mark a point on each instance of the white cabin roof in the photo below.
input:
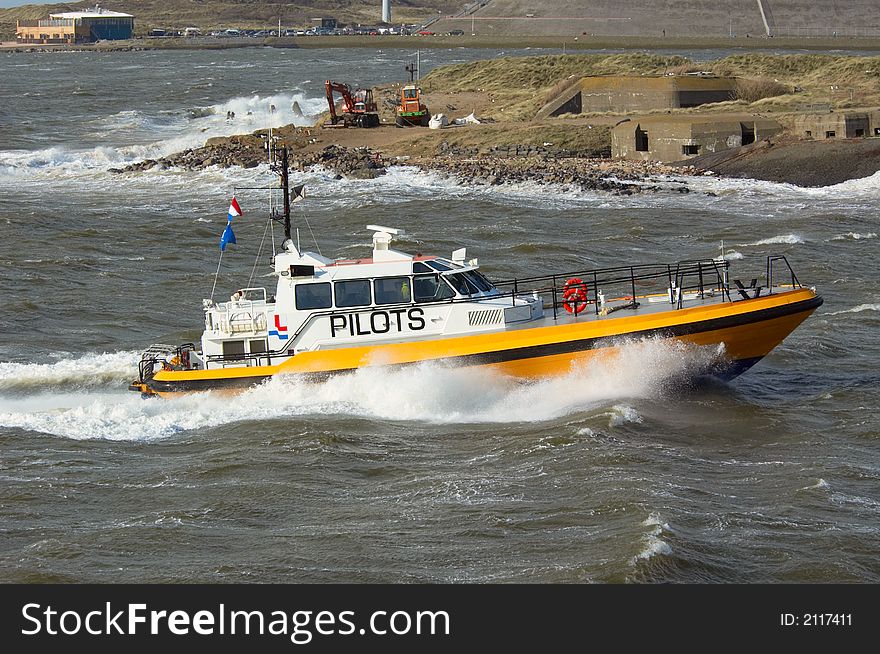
(94, 12)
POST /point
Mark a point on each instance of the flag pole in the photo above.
(216, 274)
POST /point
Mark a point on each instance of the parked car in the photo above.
(456, 32)
(425, 33)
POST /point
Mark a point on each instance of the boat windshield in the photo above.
(462, 284)
(479, 281)
(430, 288)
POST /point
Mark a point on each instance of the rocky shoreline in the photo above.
(580, 173)
(469, 166)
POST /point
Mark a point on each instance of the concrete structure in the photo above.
(682, 136)
(76, 27)
(621, 93)
(838, 125)
(386, 11)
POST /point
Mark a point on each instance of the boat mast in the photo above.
(285, 188)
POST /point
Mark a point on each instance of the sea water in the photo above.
(624, 470)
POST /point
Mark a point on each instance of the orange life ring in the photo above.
(574, 295)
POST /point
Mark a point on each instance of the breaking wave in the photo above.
(136, 133)
(790, 239)
(428, 392)
(857, 309)
(654, 543)
(853, 236)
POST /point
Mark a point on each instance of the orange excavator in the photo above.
(358, 107)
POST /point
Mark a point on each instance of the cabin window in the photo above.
(430, 288)
(302, 271)
(233, 348)
(461, 284)
(478, 280)
(439, 265)
(313, 296)
(419, 267)
(409, 94)
(355, 293)
(391, 290)
(258, 345)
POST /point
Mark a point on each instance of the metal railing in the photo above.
(702, 276)
(164, 355)
(774, 258)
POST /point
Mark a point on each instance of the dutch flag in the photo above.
(234, 209)
(228, 236)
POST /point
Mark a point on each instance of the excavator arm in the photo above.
(345, 92)
(359, 109)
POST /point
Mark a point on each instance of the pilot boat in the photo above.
(327, 316)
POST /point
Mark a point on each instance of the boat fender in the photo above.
(574, 295)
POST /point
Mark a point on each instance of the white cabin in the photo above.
(321, 303)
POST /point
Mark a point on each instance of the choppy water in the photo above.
(620, 472)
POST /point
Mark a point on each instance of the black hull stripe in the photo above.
(672, 331)
(531, 352)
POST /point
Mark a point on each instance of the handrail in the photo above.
(780, 257)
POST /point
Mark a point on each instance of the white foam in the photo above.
(858, 309)
(136, 134)
(726, 187)
(790, 239)
(427, 392)
(821, 484)
(853, 236)
(732, 255)
(84, 371)
(622, 414)
(654, 544)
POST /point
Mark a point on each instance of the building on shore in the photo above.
(838, 124)
(95, 24)
(622, 93)
(677, 137)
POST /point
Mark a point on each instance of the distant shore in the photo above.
(563, 42)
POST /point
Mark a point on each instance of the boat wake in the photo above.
(82, 372)
(79, 398)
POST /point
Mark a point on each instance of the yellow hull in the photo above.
(749, 330)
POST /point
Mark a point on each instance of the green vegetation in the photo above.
(520, 85)
(768, 83)
(752, 90)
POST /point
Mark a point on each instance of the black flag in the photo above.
(299, 192)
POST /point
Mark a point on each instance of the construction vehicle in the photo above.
(358, 107)
(411, 112)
